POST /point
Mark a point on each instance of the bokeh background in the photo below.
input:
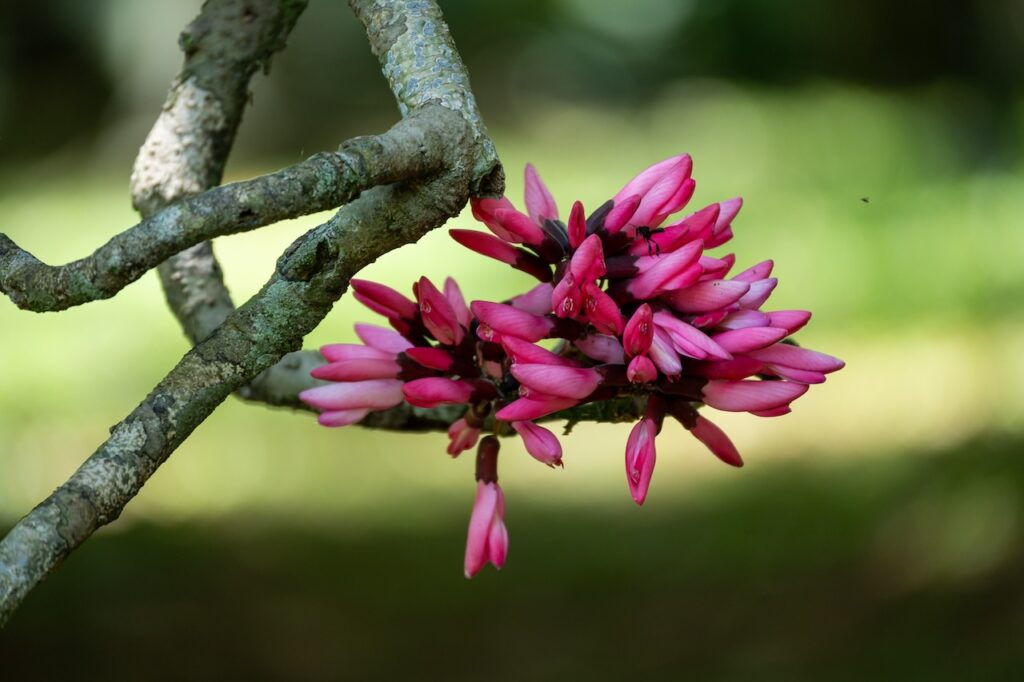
(876, 531)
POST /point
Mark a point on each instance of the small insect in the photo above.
(866, 200)
(647, 233)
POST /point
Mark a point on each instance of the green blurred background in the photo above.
(877, 530)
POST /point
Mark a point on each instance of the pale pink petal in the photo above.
(383, 339)
(704, 297)
(798, 358)
(357, 370)
(749, 338)
(602, 348)
(791, 320)
(536, 301)
(539, 202)
(376, 394)
(336, 352)
(747, 396)
(640, 459)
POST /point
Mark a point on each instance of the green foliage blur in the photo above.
(876, 531)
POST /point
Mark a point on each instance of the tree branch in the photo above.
(325, 181)
(187, 148)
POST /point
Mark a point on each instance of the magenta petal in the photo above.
(434, 391)
(486, 245)
(716, 441)
(539, 202)
(520, 226)
(798, 358)
(621, 213)
(385, 297)
(557, 380)
(704, 297)
(376, 394)
(656, 279)
(383, 339)
(587, 264)
(577, 227)
(524, 351)
(341, 417)
(749, 338)
(601, 310)
(431, 358)
(740, 367)
(458, 303)
(748, 396)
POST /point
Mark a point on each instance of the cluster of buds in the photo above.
(635, 309)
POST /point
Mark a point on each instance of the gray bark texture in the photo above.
(392, 189)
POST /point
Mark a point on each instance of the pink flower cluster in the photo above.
(639, 310)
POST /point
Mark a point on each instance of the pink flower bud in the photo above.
(434, 391)
(376, 394)
(542, 445)
(336, 352)
(488, 538)
(536, 301)
(641, 370)
(722, 231)
(383, 299)
(557, 380)
(760, 271)
(492, 247)
(509, 321)
(520, 226)
(758, 293)
(601, 348)
(740, 367)
(484, 210)
(640, 458)
(716, 441)
(431, 358)
(587, 264)
(690, 228)
(382, 339)
(639, 332)
(663, 355)
(539, 202)
(741, 319)
(566, 297)
(689, 340)
(534, 407)
(677, 166)
(601, 311)
(577, 226)
(438, 315)
(621, 213)
(357, 370)
(461, 437)
(523, 351)
(704, 297)
(749, 338)
(790, 320)
(751, 395)
(657, 277)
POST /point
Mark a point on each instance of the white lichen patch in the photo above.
(177, 157)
